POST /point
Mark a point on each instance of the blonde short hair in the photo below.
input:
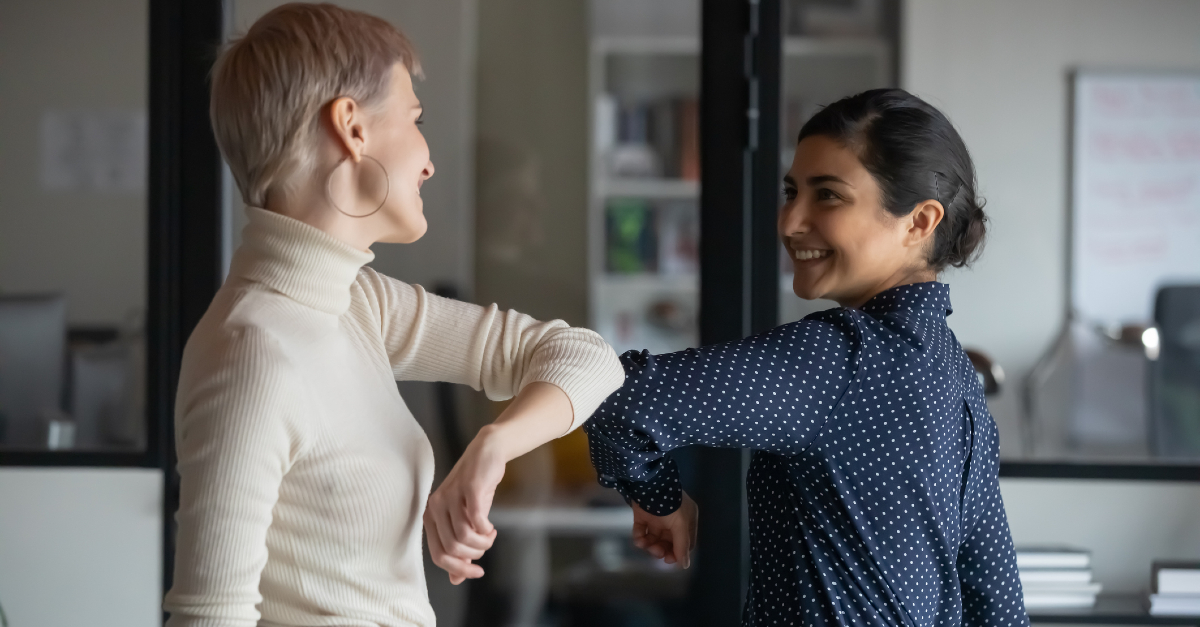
(269, 86)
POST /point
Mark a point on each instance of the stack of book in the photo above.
(1057, 578)
(650, 138)
(645, 236)
(1176, 587)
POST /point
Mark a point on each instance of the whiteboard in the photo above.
(1135, 215)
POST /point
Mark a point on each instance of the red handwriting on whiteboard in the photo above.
(1144, 146)
(1130, 248)
(1167, 99)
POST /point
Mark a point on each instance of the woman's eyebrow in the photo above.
(788, 180)
(826, 178)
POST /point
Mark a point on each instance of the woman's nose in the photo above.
(792, 219)
(428, 172)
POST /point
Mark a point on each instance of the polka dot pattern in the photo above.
(873, 489)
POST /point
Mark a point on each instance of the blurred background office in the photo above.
(579, 148)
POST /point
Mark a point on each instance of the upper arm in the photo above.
(235, 438)
(430, 338)
(771, 392)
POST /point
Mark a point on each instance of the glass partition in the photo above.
(830, 50)
(73, 145)
(586, 209)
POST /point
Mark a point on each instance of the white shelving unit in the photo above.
(822, 69)
(565, 521)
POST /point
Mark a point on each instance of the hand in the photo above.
(671, 537)
(456, 523)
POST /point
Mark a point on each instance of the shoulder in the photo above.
(832, 328)
(380, 293)
(239, 339)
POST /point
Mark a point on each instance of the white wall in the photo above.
(81, 546)
(999, 70)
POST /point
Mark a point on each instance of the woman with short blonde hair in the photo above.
(304, 477)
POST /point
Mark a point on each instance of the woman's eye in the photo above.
(825, 194)
(789, 193)
(421, 119)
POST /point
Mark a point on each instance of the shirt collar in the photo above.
(300, 261)
(931, 296)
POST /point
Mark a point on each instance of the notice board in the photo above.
(1135, 197)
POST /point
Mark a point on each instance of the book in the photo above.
(664, 135)
(1174, 605)
(630, 246)
(678, 229)
(1069, 588)
(689, 139)
(1171, 577)
(1059, 600)
(1052, 558)
(1036, 577)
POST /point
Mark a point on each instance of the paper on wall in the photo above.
(94, 150)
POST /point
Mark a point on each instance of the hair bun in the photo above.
(968, 239)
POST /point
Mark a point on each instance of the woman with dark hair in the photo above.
(873, 490)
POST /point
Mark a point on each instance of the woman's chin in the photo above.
(407, 231)
(805, 289)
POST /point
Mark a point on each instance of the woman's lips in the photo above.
(811, 254)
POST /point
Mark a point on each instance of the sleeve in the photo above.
(770, 392)
(987, 561)
(235, 440)
(430, 338)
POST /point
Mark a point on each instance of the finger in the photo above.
(648, 540)
(477, 500)
(466, 534)
(450, 545)
(681, 547)
(445, 530)
(658, 549)
(639, 534)
(458, 568)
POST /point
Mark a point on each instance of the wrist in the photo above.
(493, 441)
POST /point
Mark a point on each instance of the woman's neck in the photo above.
(906, 276)
(311, 207)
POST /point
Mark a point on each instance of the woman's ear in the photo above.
(923, 221)
(346, 127)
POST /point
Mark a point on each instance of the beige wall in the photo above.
(1000, 71)
(531, 185)
(56, 55)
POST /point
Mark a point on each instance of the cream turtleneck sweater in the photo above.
(304, 476)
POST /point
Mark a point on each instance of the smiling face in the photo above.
(844, 245)
(395, 139)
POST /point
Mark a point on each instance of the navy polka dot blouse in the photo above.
(873, 489)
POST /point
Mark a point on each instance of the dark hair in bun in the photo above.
(914, 154)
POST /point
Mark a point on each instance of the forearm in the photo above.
(541, 412)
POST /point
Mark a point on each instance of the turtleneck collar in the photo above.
(301, 262)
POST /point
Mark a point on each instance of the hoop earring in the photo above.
(329, 193)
